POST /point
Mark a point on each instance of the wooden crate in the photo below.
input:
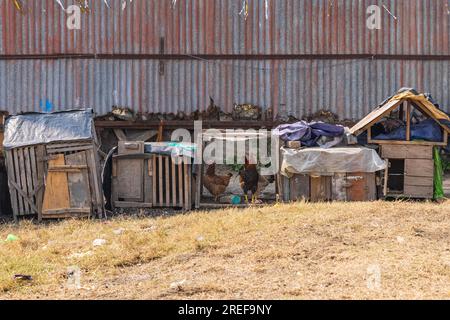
(58, 180)
(142, 180)
(339, 187)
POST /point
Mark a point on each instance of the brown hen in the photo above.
(215, 184)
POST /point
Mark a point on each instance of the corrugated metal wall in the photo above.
(341, 83)
(348, 87)
(215, 27)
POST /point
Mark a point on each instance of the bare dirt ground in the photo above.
(393, 250)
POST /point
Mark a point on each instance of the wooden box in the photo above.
(141, 180)
(410, 172)
(339, 187)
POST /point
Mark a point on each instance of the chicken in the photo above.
(249, 179)
(215, 184)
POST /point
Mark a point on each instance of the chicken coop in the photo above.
(407, 128)
(335, 174)
(152, 175)
(53, 166)
(231, 174)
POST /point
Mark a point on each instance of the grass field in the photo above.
(391, 250)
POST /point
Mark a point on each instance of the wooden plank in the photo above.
(40, 168)
(68, 211)
(293, 144)
(174, 183)
(419, 181)
(56, 195)
(148, 177)
(408, 121)
(419, 191)
(68, 149)
(394, 151)
(23, 181)
(69, 167)
(320, 188)
(419, 167)
(299, 188)
(155, 196)
(79, 189)
(421, 143)
(420, 152)
(167, 180)
(12, 177)
(160, 186)
(25, 197)
(17, 181)
(187, 185)
(406, 151)
(374, 116)
(28, 176)
(33, 170)
(386, 178)
(127, 204)
(94, 170)
(180, 184)
(120, 135)
(371, 185)
(66, 216)
(198, 181)
(86, 144)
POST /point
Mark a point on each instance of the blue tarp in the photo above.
(427, 130)
(308, 133)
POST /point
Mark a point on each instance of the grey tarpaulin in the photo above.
(324, 162)
(42, 128)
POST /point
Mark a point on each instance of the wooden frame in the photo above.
(409, 108)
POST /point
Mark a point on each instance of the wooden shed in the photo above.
(406, 128)
(53, 166)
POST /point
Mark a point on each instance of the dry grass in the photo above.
(293, 251)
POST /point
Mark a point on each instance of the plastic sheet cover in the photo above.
(325, 162)
(42, 128)
(174, 149)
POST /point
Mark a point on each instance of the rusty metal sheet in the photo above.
(409, 27)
